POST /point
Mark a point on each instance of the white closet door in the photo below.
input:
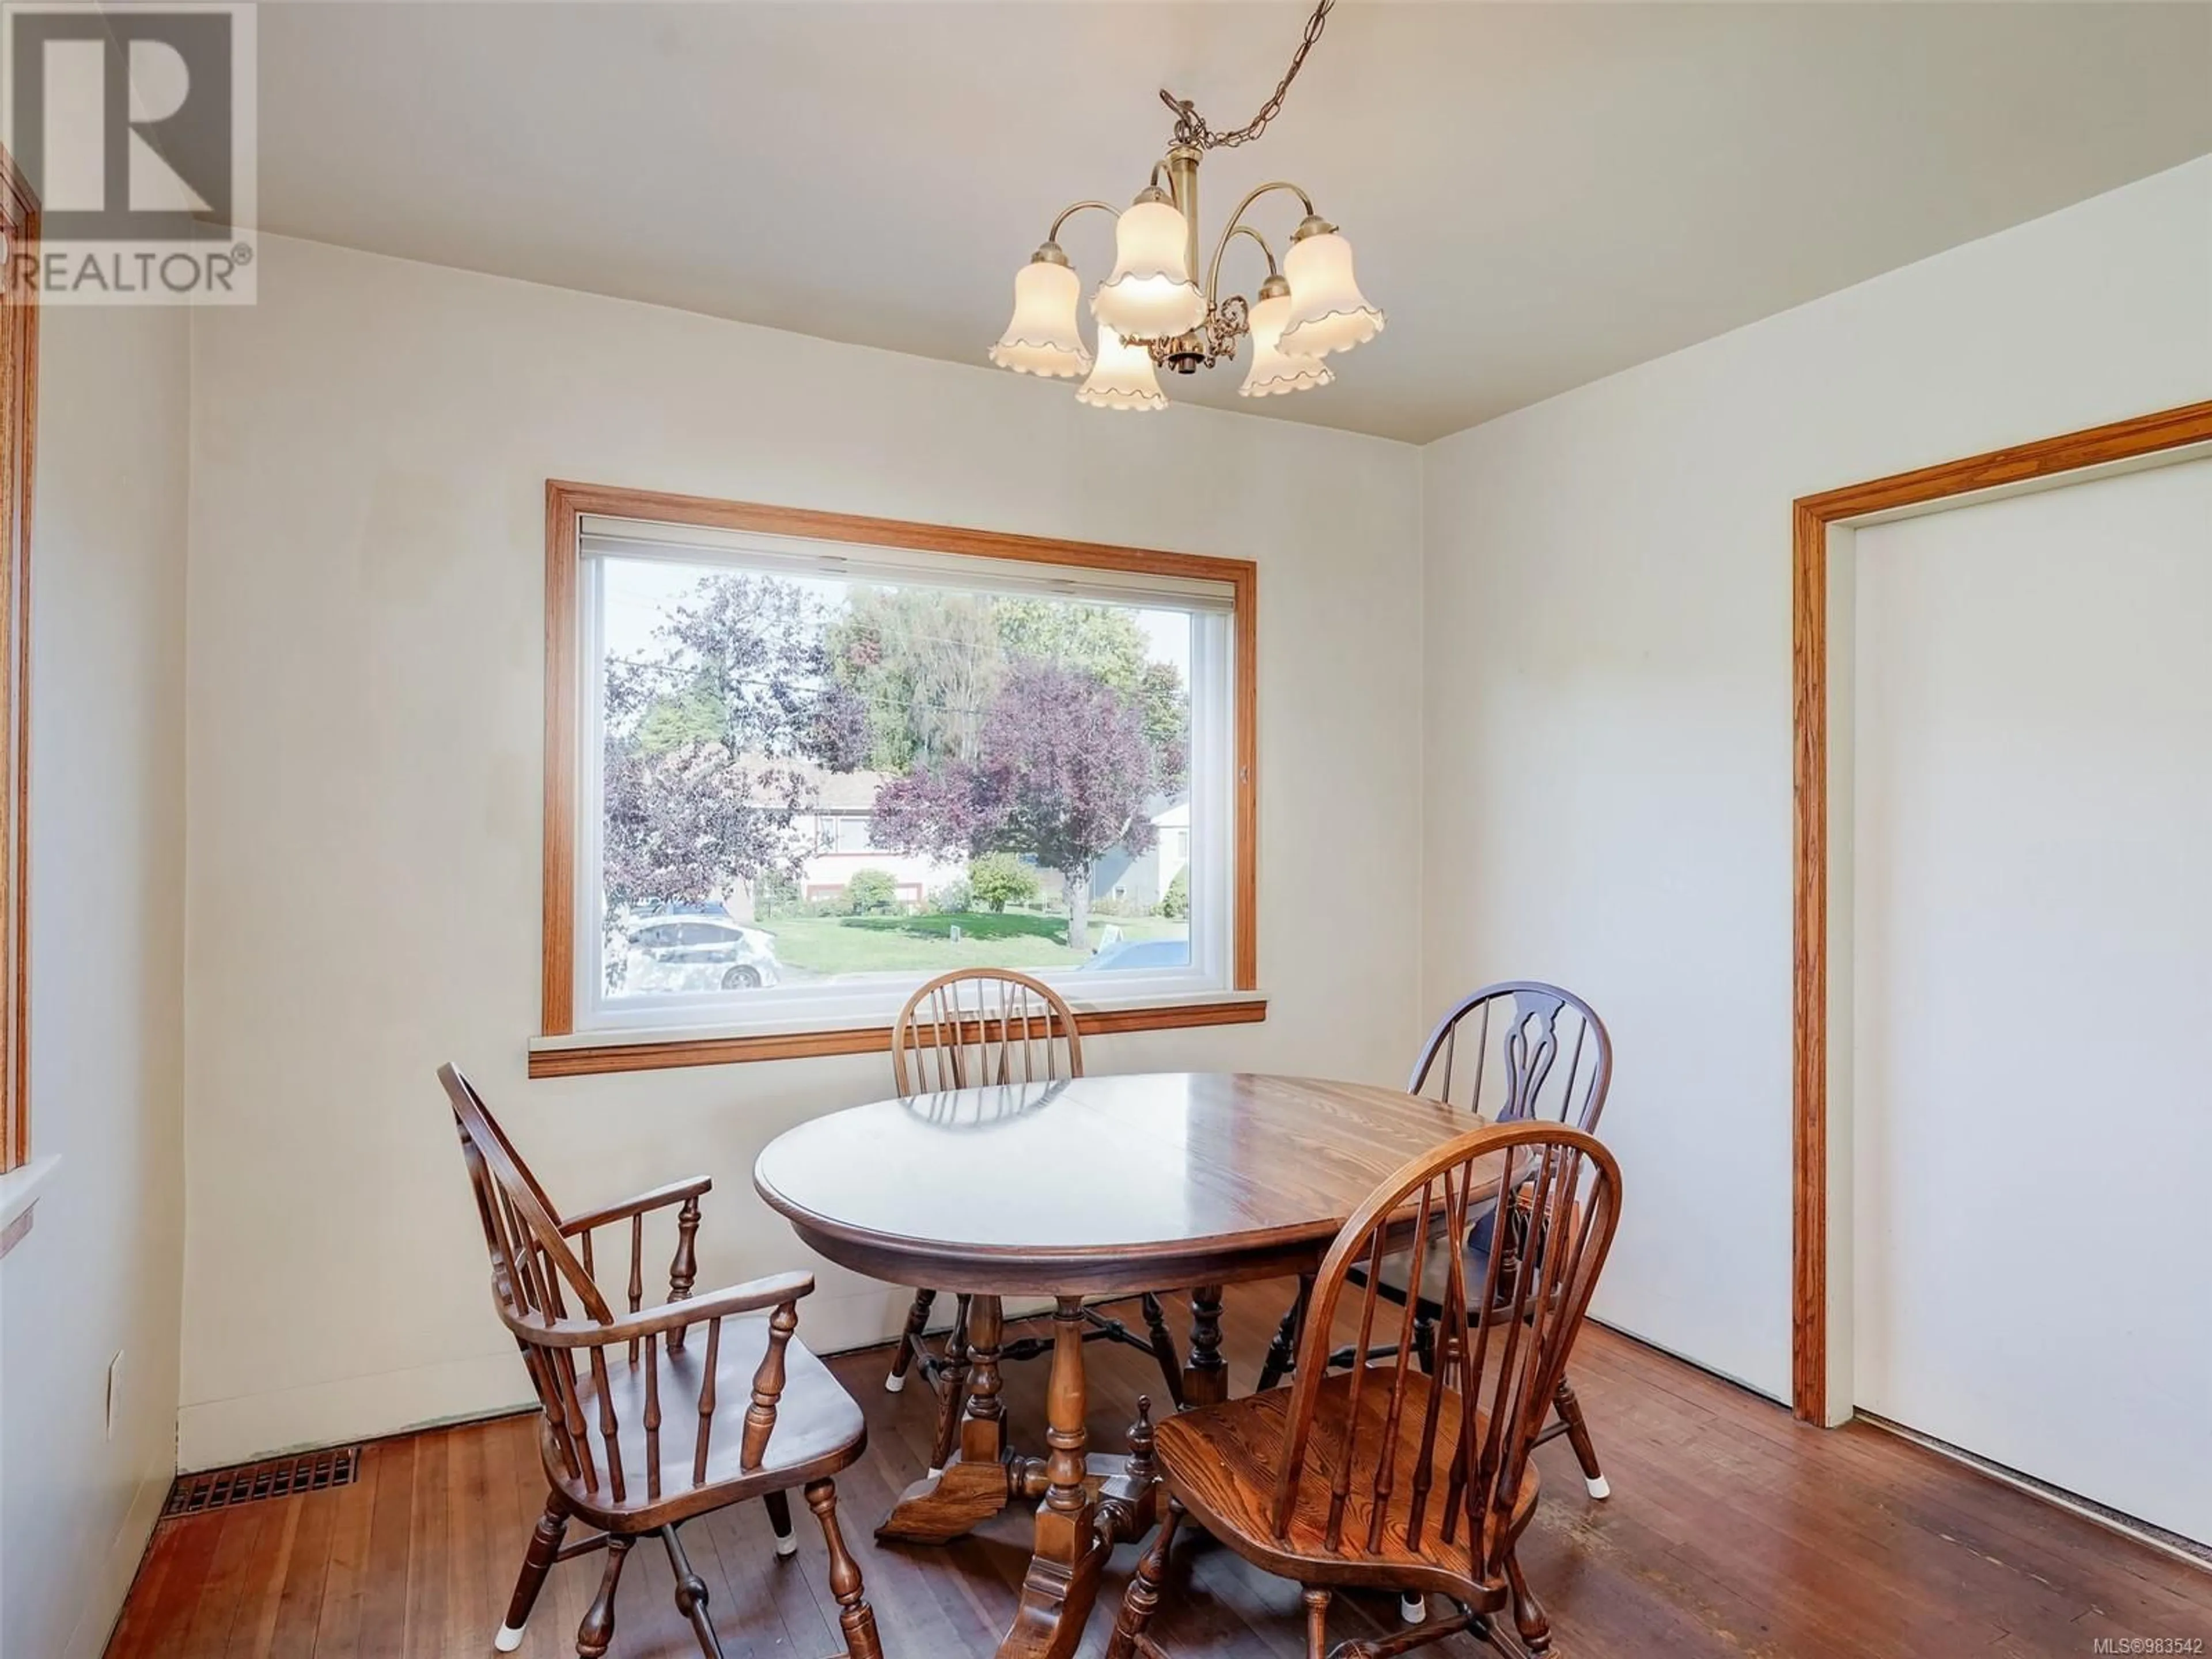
(2032, 953)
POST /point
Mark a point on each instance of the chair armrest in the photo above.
(660, 1197)
(774, 1291)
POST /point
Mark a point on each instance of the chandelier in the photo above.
(1151, 310)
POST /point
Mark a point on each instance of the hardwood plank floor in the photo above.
(1732, 1531)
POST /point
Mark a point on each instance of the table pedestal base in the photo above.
(1086, 1503)
(1058, 1595)
(939, 1508)
(953, 1503)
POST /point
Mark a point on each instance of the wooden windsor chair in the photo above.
(765, 1415)
(980, 1028)
(1386, 1474)
(1534, 1028)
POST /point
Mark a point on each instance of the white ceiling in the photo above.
(1540, 194)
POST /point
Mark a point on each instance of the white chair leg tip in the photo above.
(787, 1546)
(507, 1640)
(895, 1384)
(1597, 1486)
(1412, 1609)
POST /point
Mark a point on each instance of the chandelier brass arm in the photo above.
(1257, 191)
(1072, 209)
(1237, 223)
(1213, 277)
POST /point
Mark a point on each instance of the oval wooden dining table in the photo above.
(1075, 1189)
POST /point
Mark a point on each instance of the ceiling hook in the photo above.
(1189, 129)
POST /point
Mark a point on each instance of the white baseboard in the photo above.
(111, 1579)
(2189, 1551)
(213, 1434)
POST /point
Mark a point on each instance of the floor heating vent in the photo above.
(249, 1483)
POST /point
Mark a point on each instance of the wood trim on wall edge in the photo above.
(604, 1057)
(566, 501)
(1811, 517)
(19, 207)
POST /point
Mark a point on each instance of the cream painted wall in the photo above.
(1608, 729)
(100, 1271)
(370, 448)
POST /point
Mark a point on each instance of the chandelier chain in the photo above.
(1190, 126)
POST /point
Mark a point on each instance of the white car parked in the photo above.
(693, 953)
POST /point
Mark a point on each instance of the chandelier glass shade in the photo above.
(1151, 292)
(1153, 310)
(1123, 377)
(1328, 311)
(1043, 338)
(1274, 370)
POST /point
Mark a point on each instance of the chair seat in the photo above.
(818, 1428)
(1222, 1460)
(1436, 1263)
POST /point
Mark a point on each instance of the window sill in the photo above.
(592, 1053)
(19, 1194)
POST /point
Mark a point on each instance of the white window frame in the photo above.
(1213, 688)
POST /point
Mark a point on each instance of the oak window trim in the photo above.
(653, 1052)
(19, 398)
(565, 504)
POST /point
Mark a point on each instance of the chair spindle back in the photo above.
(1532, 1051)
(980, 1027)
(1494, 1378)
(550, 1302)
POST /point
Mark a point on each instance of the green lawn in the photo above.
(875, 945)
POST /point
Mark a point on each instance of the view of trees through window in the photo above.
(812, 782)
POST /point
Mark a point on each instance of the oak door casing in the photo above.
(1811, 516)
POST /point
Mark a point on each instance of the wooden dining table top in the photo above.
(1095, 1184)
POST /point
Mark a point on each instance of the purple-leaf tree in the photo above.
(685, 823)
(709, 736)
(1063, 764)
